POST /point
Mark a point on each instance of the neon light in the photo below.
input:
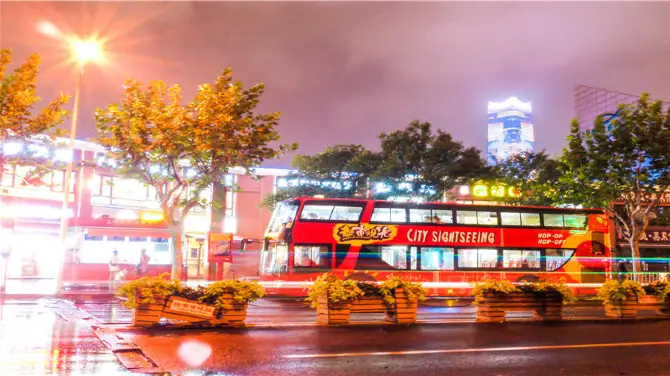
(480, 191)
(498, 191)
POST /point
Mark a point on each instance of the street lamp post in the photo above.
(84, 51)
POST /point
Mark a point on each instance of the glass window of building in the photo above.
(106, 188)
(129, 189)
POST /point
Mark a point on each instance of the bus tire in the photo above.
(361, 277)
(528, 278)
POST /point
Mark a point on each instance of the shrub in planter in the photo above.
(332, 298)
(222, 302)
(402, 299)
(494, 298)
(146, 297)
(620, 299)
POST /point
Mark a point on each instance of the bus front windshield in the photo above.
(283, 214)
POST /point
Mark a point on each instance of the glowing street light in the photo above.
(83, 51)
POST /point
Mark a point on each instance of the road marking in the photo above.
(491, 349)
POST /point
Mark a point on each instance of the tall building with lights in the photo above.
(510, 129)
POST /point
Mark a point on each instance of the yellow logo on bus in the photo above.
(364, 233)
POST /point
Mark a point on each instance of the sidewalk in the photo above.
(40, 337)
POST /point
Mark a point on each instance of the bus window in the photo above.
(389, 215)
(374, 257)
(437, 258)
(510, 219)
(346, 213)
(487, 218)
(553, 220)
(466, 217)
(283, 214)
(444, 216)
(420, 216)
(306, 256)
(574, 220)
(275, 259)
(316, 212)
(530, 219)
(518, 259)
(341, 252)
(477, 258)
(556, 258)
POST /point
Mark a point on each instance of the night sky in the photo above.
(342, 72)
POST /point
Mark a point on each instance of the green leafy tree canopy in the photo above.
(533, 175)
(183, 149)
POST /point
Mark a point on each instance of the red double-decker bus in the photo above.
(446, 246)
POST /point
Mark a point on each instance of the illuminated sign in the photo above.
(480, 191)
(452, 237)
(514, 192)
(363, 233)
(498, 191)
(151, 216)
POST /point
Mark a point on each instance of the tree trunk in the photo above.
(177, 255)
(635, 255)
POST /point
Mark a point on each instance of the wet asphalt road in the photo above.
(584, 348)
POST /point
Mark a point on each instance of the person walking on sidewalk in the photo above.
(113, 268)
(143, 264)
(623, 270)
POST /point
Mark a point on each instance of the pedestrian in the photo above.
(143, 265)
(114, 268)
(623, 271)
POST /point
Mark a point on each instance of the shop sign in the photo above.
(651, 236)
(363, 233)
(653, 197)
(192, 308)
(220, 247)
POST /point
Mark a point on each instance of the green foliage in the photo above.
(659, 289)
(144, 290)
(626, 160)
(533, 174)
(336, 289)
(505, 287)
(20, 122)
(182, 149)
(435, 159)
(414, 290)
(242, 292)
(612, 291)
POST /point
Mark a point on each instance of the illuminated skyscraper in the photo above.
(510, 129)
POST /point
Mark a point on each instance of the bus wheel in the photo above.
(361, 277)
(528, 278)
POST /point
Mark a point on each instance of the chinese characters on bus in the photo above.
(364, 233)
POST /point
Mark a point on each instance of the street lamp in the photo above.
(83, 51)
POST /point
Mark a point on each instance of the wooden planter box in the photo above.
(403, 311)
(368, 304)
(148, 314)
(235, 315)
(492, 307)
(627, 309)
(330, 313)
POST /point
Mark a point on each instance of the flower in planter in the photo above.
(336, 289)
(414, 290)
(612, 291)
(659, 289)
(146, 289)
(241, 291)
(504, 287)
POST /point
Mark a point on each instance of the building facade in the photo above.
(510, 129)
(111, 213)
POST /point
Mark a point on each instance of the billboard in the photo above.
(510, 129)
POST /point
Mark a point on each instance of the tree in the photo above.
(627, 162)
(533, 175)
(181, 150)
(18, 122)
(340, 171)
(426, 164)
